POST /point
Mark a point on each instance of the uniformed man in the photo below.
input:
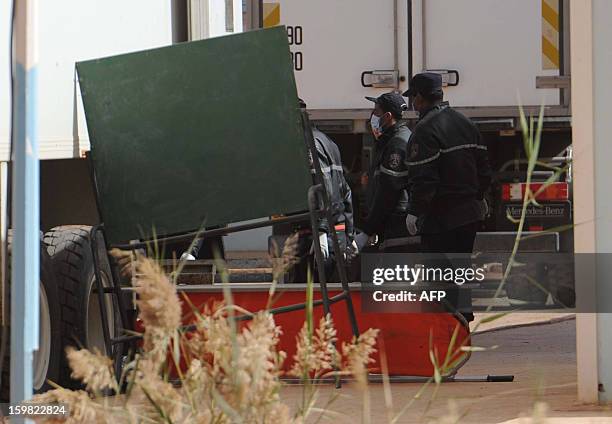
(448, 171)
(340, 198)
(386, 197)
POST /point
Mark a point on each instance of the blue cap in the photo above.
(390, 102)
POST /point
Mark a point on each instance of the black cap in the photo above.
(425, 83)
(302, 103)
(390, 102)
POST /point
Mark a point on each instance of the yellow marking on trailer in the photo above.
(550, 13)
(271, 14)
(550, 34)
(551, 55)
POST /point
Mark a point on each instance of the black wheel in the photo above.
(81, 322)
(47, 359)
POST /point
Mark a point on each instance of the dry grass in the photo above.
(315, 354)
(228, 374)
(283, 261)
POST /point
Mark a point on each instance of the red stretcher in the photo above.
(406, 338)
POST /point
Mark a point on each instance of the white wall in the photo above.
(341, 39)
(591, 129)
(69, 31)
(602, 90)
(5, 99)
(496, 46)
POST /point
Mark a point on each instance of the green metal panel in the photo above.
(202, 132)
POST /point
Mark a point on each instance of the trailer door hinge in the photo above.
(380, 79)
(554, 81)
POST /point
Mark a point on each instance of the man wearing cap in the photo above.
(386, 197)
(448, 171)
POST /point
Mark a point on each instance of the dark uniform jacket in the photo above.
(386, 196)
(337, 188)
(448, 171)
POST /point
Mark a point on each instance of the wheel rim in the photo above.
(42, 355)
(95, 331)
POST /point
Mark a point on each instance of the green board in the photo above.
(201, 133)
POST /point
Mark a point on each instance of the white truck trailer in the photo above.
(493, 55)
(70, 31)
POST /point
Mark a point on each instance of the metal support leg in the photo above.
(100, 291)
(313, 205)
(113, 277)
(341, 267)
(320, 262)
(340, 263)
(118, 347)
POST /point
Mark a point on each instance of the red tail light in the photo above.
(554, 191)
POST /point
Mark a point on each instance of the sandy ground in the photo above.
(541, 357)
(516, 319)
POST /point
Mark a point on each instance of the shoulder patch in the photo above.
(395, 160)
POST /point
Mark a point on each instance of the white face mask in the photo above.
(375, 123)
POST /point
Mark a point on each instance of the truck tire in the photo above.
(81, 324)
(47, 359)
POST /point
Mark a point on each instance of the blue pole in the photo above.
(25, 208)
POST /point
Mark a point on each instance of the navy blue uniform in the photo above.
(386, 196)
(448, 175)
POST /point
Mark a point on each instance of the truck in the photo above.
(346, 50)
(491, 67)
(494, 55)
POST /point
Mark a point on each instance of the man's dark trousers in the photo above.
(457, 240)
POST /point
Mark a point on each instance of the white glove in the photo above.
(186, 256)
(361, 239)
(411, 224)
(352, 250)
(323, 244)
